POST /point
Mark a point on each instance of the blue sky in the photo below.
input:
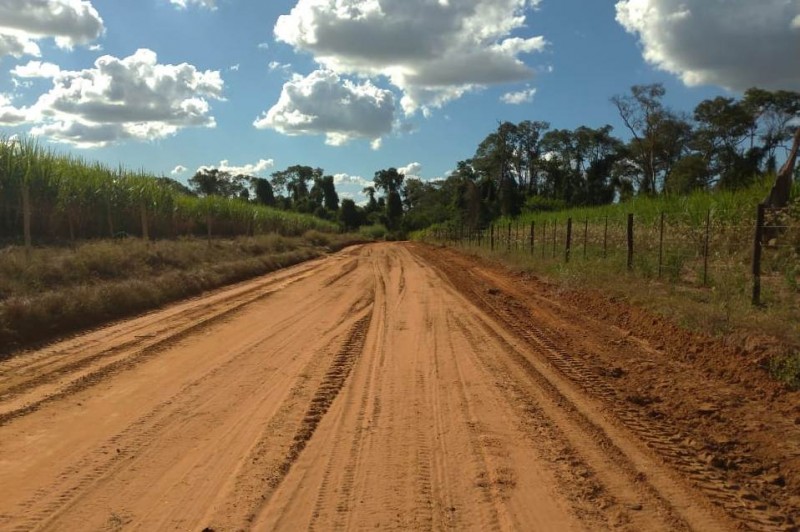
(354, 86)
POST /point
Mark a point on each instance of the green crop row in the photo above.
(45, 195)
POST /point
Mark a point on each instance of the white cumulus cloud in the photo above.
(324, 104)
(36, 69)
(130, 98)
(247, 169)
(178, 170)
(353, 180)
(432, 50)
(183, 4)
(518, 98)
(735, 44)
(10, 115)
(411, 171)
(69, 22)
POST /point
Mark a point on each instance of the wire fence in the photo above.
(713, 252)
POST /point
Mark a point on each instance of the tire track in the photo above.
(662, 437)
(119, 449)
(131, 353)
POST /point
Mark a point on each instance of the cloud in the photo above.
(354, 180)
(234, 68)
(131, 98)
(411, 171)
(69, 22)
(434, 51)
(276, 65)
(178, 170)
(518, 98)
(248, 169)
(183, 4)
(36, 69)
(10, 115)
(324, 104)
(735, 44)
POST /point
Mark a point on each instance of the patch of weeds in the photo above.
(786, 368)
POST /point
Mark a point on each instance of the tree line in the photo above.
(726, 143)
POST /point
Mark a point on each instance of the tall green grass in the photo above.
(68, 197)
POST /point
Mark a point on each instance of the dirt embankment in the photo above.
(391, 386)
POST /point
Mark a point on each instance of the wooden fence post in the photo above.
(569, 240)
(585, 236)
(533, 235)
(630, 242)
(706, 249)
(544, 238)
(757, 249)
(661, 247)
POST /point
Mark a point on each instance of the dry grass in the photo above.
(722, 308)
(62, 290)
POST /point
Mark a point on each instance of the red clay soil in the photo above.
(401, 387)
(707, 408)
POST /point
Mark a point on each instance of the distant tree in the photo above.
(372, 204)
(349, 215)
(689, 174)
(495, 159)
(390, 181)
(330, 199)
(263, 191)
(775, 113)
(660, 137)
(294, 181)
(215, 182)
(527, 155)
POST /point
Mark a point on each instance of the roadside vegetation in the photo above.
(57, 290)
(695, 269)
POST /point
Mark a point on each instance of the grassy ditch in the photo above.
(691, 262)
(59, 290)
(770, 334)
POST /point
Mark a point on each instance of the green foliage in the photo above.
(787, 369)
(77, 199)
(373, 232)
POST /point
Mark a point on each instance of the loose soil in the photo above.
(402, 387)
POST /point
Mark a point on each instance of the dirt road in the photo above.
(389, 386)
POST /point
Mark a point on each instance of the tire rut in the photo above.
(661, 436)
(134, 352)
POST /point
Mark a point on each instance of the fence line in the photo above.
(709, 253)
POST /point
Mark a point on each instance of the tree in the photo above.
(294, 182)
(372, 204)
(391, 182)
(660, 137)
(526, 138)
(215, 182)
(494, 159)
(263, 191)
(349, 215)
(330, 197)
(597, 151)
(774, 113)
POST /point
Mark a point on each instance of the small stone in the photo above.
(707, 408)
(777, 480)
